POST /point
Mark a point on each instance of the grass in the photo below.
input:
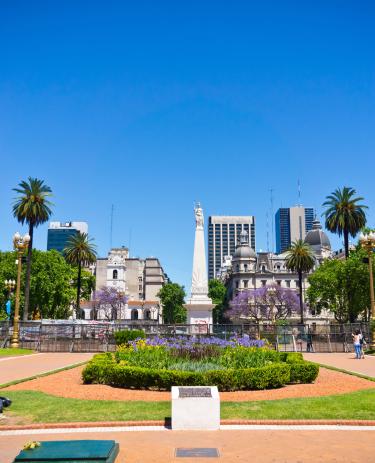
(37, 407)
(12, 352)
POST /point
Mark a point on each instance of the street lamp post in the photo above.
(368, 243)
(20, 244)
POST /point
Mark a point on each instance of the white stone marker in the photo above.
(195, 408)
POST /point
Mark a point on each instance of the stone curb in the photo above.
(104, 424)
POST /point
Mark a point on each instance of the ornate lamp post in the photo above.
(20, 244)
(368, 243)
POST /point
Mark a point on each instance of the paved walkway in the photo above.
(24, 366)
(262, 446)
(346, 361)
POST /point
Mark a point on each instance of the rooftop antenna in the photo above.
(299, 193)
(268, 231)
(130, 239)
(111, 227)
(272, 218)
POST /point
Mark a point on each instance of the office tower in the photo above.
(292, 224)
(223, 235)
(60, 232)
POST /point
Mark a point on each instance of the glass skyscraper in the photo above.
(60, 232)
(223, 236)
(292, 224)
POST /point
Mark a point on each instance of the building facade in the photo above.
(60, 232)
(223, 235)
(292, 224)
(248, 270)
(138, 279)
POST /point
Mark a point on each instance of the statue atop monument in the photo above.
(199, 220)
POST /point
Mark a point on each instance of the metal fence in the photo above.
(99, 337)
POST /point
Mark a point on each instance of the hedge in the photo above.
(303, 372)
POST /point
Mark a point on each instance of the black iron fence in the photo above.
(99, 337)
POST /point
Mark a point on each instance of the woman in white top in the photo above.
(357, 344)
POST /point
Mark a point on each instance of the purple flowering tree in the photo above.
(109, 301)
(268, 303)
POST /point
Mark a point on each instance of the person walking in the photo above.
(363, 342)
(357, 344)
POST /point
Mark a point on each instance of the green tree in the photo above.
(33, 207)
(218, 293)
(342, 287)
(344, 215)
(80, 251)
(300, 259)
(52, 292)
(172, 298)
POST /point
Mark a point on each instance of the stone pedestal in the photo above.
(195, 408)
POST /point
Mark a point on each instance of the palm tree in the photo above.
(344, 215)
(32, 207)
(300, 259)
(80, 251)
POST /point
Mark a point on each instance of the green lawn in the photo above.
(37, 407)
(10, 352)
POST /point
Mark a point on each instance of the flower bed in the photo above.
(238, 364)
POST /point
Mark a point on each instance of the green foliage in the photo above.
(238, 368)
(50, 283)
(303, 372)
(172, 297)
(218, 293)
(125, 336)
(341, 286)
(344, 215)
(120, 375)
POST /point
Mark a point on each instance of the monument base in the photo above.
(199, 311)
(195, 408)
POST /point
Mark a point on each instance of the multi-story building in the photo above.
(223, 236)
(248, 270)
(60, 232)
(139, 279)
(292, 224)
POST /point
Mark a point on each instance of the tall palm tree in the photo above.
(31, 206)
(300, 259)
(80, 251)
(344, 215)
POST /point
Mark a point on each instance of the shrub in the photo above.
(303, 372)
(124, 337)
(291, 357)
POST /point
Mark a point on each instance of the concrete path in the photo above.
(260, 446)
(24, 366)
(345, 361)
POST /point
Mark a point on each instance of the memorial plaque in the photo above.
(197, 453)
(194, 392)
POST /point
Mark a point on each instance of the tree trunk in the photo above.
(300, 295)
(346, 242)
(28, 274)
(78, 302)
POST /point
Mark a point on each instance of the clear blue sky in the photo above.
(152, 105)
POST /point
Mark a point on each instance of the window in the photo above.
(237, 268)
(245, 267)
(134, 314)
(287, 282)
(245, 283)
(140, 287)
(140, 279)
(114, 274)
(263, 268)
(147, 314)
(237, 284)
(278, 282)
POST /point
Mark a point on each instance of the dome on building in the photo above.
(317, 238)
(244, 250)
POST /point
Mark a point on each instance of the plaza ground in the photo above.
(345, 361)
(15, 368)
(261, 446)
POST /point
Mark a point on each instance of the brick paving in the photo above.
(16, 368)
(261, 445)
(345, 361)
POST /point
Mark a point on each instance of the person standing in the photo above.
(357, 344)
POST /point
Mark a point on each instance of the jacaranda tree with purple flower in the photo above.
(110, 301)
(268, 303)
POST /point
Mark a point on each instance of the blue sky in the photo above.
(152, 105)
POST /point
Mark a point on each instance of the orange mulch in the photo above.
(68, 383)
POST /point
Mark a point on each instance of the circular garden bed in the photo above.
(160, 363)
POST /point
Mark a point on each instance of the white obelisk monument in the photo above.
(199, 306)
